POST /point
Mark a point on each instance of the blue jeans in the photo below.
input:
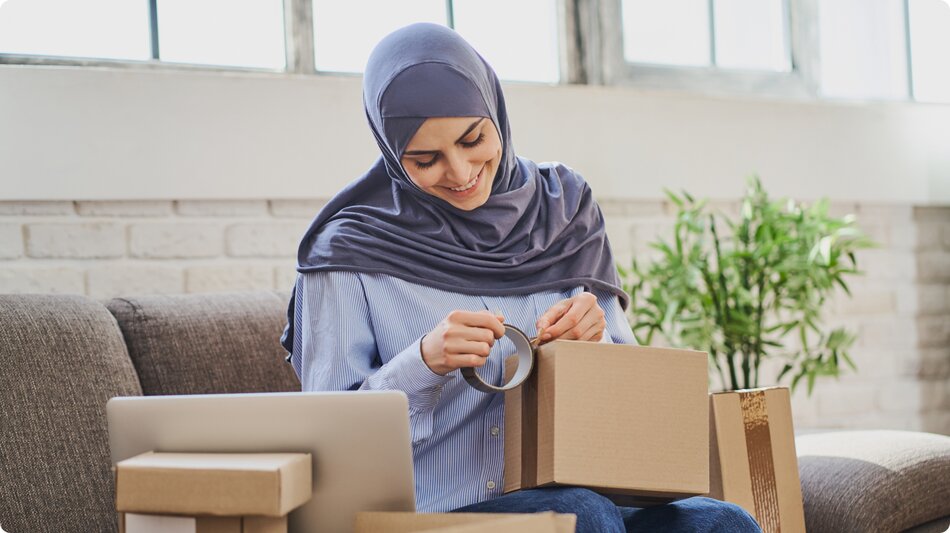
(597, 514)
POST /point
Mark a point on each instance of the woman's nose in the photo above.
(459, 169)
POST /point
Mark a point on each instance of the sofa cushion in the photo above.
(867, 481)
(63, 358)
(206, 343)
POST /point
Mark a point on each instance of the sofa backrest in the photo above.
(62, 358)
(206, 343)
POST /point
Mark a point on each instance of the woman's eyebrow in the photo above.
(471, 127)
(469, 130)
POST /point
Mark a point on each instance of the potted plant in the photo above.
(739, 295)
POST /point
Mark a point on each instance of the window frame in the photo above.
(590, 52)
(603, 32)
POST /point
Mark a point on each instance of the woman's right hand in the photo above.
(462, 339)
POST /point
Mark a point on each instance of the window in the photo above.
(521, 45)
(863, 51)
(735, 34)
(929, 25)
(249, 33)
(112, 29)
(338, 48)
(752, 34)
(804, 49)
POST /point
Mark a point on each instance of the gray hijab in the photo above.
(539, 229)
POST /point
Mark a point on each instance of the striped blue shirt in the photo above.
(363, 331)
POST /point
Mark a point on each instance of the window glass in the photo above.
(345, 32)
(752, 34)
(249, 33)
(106, 29)
(522, 45)
(930, 49)
(671, 32)
(863, 51)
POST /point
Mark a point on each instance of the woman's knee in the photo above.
(724, 516)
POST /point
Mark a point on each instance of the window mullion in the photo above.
(153, 28)
(298, 36)
(907, 51)
(571, 45)
(803, 36)
(449, 14)
(712, 32)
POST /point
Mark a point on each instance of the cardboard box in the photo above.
(377, 522)
(752, 457)
(629, 422)
(216, 484)
(151, 523)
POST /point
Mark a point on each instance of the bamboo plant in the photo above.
(739, 296)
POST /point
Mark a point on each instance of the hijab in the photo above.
(540, 228)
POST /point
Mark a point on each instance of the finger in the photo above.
(458, 346)
(589, 320)
(489, 320)
(553, 314)
(479, 319)
(476, 334)
(466, 360)
(596, 332)
(470, 333)
(571, 318)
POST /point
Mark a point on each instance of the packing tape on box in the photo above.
(758, 438)
(525, 351)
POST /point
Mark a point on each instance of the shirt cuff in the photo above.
(409, 373)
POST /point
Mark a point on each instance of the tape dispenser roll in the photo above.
(525, 351)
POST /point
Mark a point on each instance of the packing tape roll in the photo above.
(525, 363)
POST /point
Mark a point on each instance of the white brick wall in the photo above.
(263, 240)
(11, 240)
(900, 307)
(106, 281)
(229, 277)
(176, 240)
(79, 240)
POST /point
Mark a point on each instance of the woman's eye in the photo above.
(476, 142)
(426, 164)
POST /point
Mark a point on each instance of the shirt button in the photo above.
(490, 485)
(494, 431)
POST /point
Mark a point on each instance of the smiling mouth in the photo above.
(470, 184)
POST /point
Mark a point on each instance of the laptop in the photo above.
(362, 453)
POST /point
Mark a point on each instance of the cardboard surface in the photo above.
(151, 523)
(752, 456)
(630, 422)
(227, 484)
(373, 522)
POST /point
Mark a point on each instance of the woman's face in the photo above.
(454, 158)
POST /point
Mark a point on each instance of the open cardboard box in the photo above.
(629, 422)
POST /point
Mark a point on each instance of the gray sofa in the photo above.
(64, 356)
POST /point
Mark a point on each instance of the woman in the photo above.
(408, 274)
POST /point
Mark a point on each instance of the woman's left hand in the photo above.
(576, 318)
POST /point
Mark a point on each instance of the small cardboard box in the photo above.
(216, 484)
(150, 523)
(378, 522)
(630, 422)
(752, 457)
